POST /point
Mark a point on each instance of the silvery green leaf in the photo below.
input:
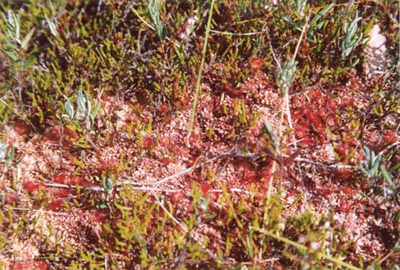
(95, 110)
(29, 61)
(367, 153)
(88, 104)
(3, 149)
(354, 25)
(289, 20)
(203, 203)
(81, 101)
(319, 25)
(321, 13)
(12, 55)
(397, 248)
(375, 166)
(69, 108)
(374, 158)
(52, 25)
(13, 25)
(27, 38)
(286, 75)
(300, 6)
(347, 52)
(272, 134)
(363, 170)
(107, 184)
(387, 177)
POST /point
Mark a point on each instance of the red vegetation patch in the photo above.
(33, 187)
(22, 128)
(63, 135)
(314, 112)
(32, 265)
(55, 204)
(71, 180)
(147, 142)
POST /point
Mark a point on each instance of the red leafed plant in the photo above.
(32, 187)
(109, 166)
(147, 142)
(71, 180)
(345, 150)
(55, 204)
(33, 264)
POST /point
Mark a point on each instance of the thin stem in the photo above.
(196, 95)
(307, 249)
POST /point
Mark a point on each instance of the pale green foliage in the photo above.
(374, 169)
(286, 76)
(84, 111)
(154, 10)
(352, 36)
(14, 33)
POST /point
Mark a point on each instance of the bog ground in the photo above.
(199, 135)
